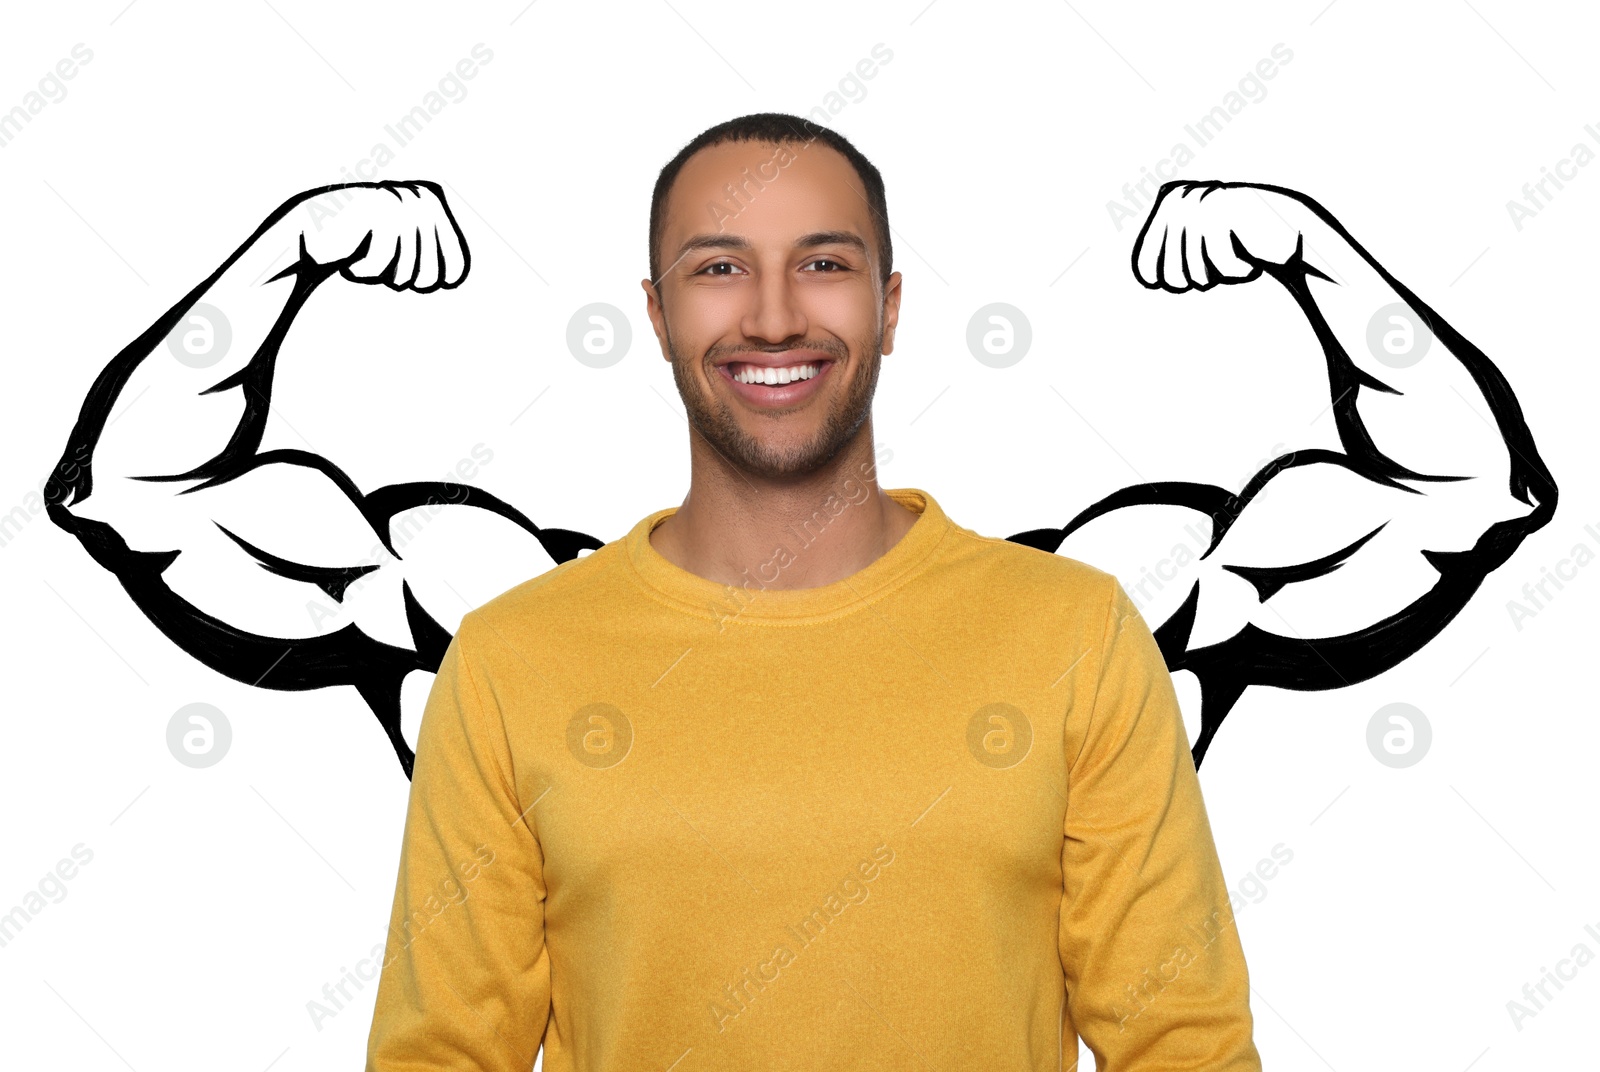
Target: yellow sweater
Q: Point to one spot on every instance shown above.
(938, 815)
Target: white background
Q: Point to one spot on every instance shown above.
(220, 901)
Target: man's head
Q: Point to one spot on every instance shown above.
(769, 246)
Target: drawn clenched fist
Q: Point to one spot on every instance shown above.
(400, 234)
(1200, 234)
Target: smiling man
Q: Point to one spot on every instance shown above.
(801, 773)
(779, 317)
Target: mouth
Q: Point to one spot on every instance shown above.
(776, 387)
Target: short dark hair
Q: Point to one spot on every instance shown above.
(778, 128)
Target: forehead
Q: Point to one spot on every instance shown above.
(778, 192)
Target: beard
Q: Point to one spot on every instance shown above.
(713, 417)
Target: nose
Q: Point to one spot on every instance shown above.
(774, 314)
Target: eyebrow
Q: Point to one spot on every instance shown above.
(719, 240)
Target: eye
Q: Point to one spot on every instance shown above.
(837, 265)
(707, 270)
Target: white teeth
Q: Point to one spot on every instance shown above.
(775, 376)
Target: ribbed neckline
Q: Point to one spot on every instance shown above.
(728, 603)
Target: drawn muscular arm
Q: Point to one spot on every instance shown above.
(1394, 364)
(271, 567)
(189, 420)
(1328, 568)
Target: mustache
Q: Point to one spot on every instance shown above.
(834, 349)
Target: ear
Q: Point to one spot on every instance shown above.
(658, 321)
(891, 311)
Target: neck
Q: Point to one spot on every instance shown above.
(809, 530)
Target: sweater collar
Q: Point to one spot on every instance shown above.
(750, 601)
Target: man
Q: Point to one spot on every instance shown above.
(921, 798)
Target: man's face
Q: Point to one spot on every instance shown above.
(785, 274)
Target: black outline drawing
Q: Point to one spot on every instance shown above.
(348, 656)
(1254, 656)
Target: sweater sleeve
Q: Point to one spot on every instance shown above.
(465, 983)
(1155, 971)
